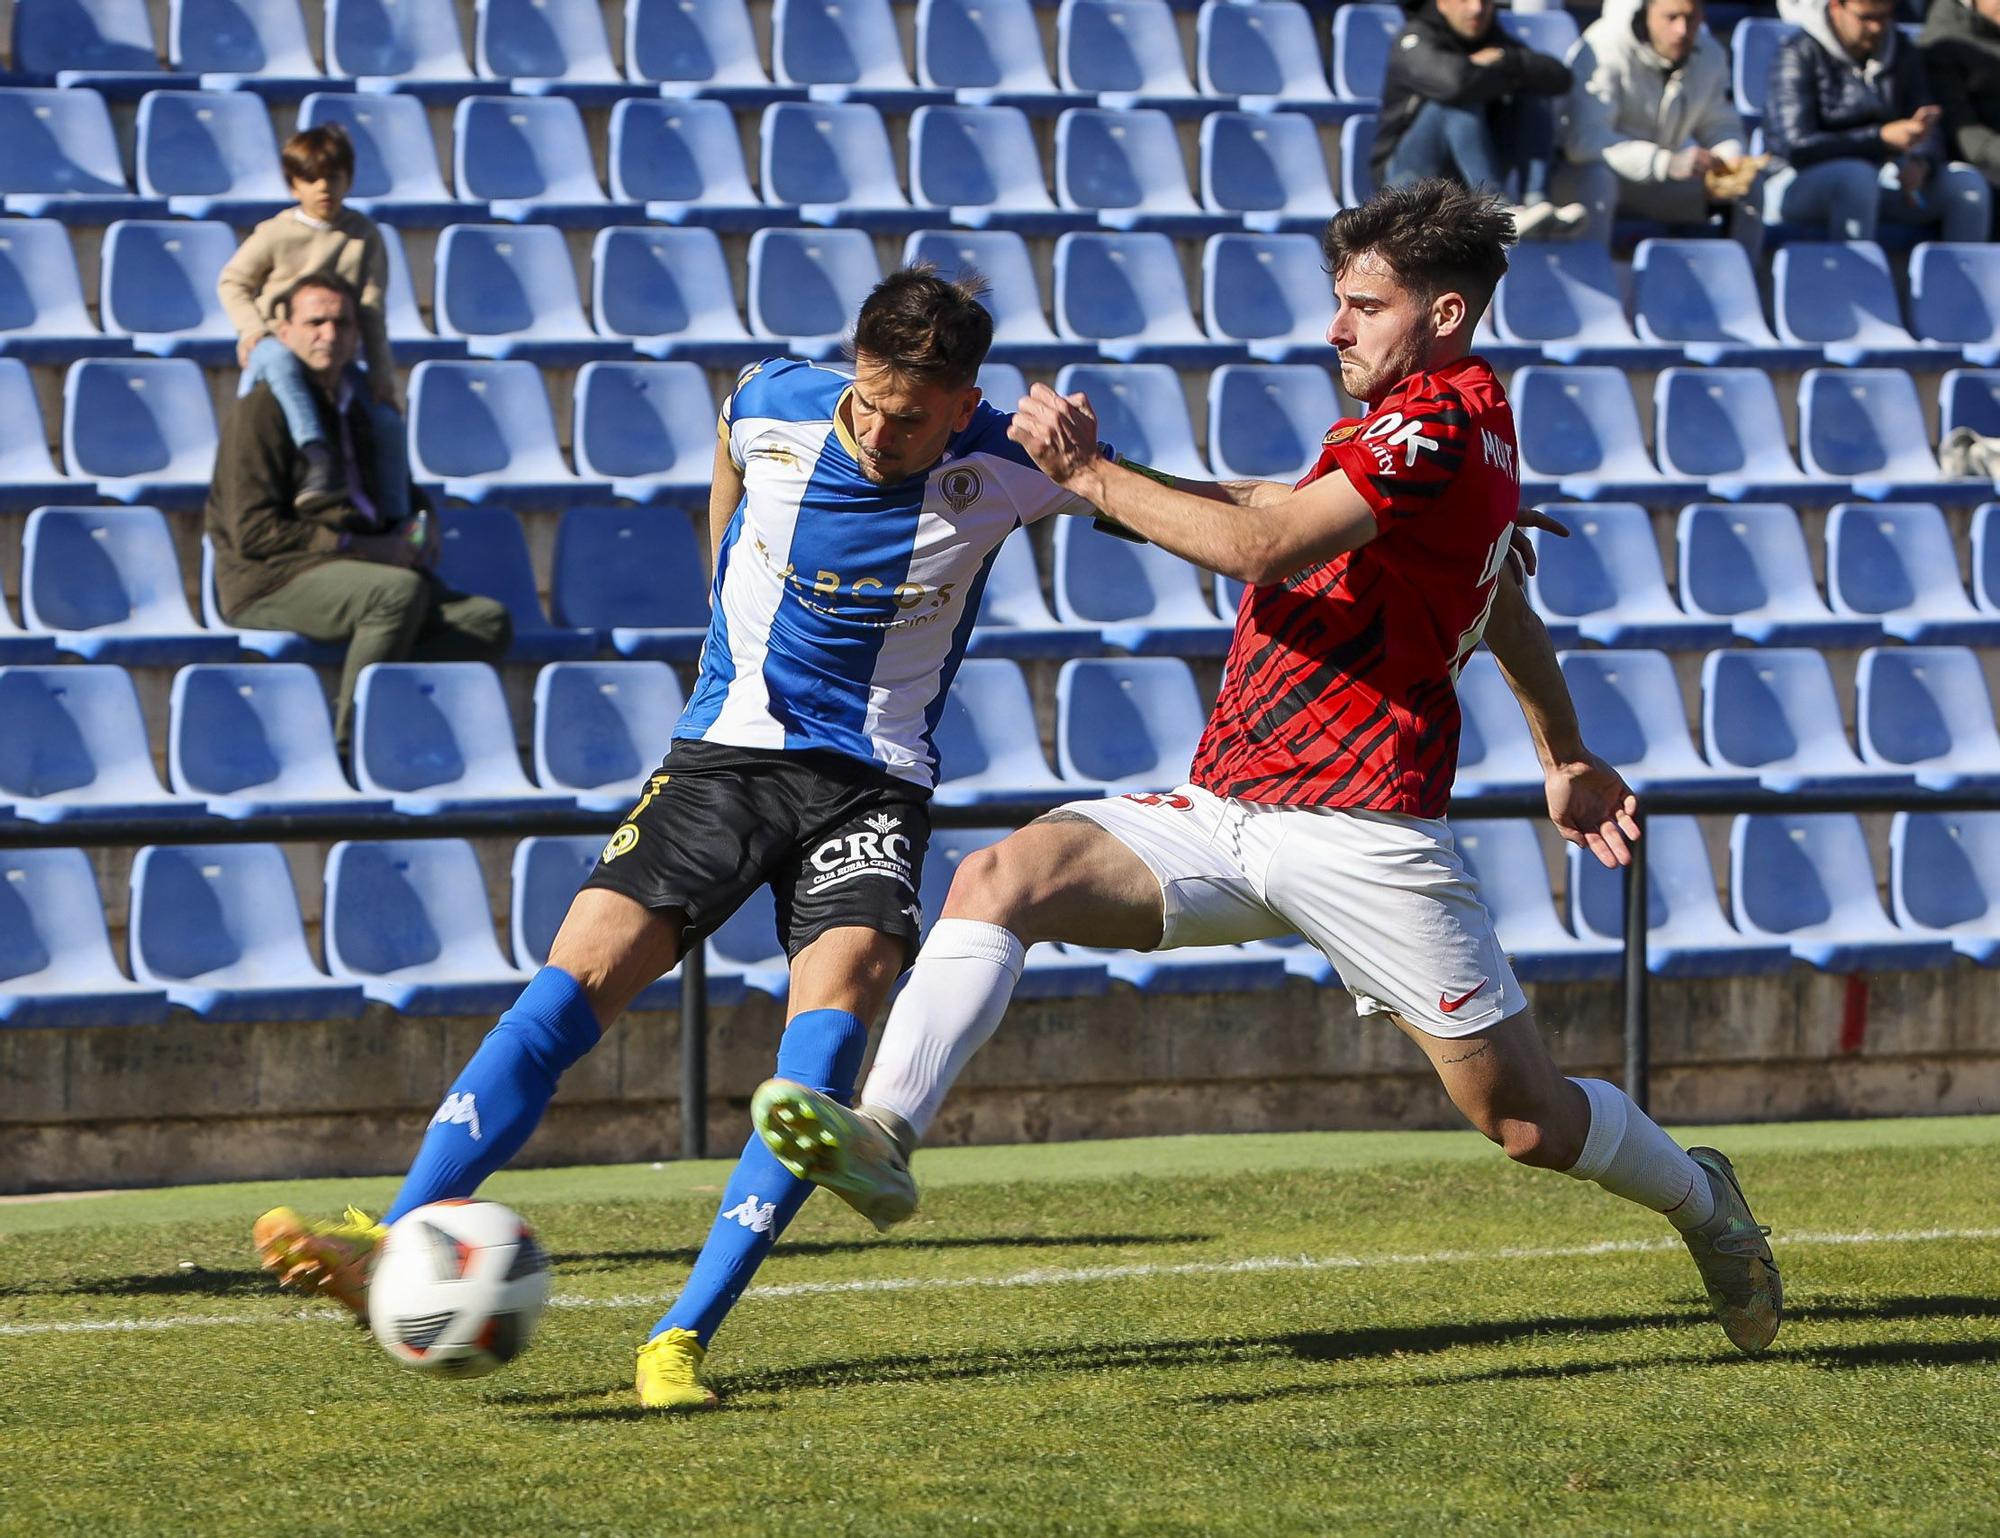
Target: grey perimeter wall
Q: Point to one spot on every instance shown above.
(193, 1101)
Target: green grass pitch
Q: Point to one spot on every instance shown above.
(1321, 1333)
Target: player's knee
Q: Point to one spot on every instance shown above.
(1533, 1141)
(992, 886)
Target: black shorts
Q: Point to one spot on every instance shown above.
(840, 843)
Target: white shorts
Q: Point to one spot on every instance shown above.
(1383, 896)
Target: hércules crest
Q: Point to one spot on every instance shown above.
(961, 488)
(1340, 434)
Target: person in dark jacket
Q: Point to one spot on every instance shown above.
(339, 573)
(1961, 52)
(1850, 114)
(1463, 99)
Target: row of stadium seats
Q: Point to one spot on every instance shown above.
(436, 739)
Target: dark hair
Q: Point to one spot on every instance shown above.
(925, 327)
(1436, 235)
(332, 282)
(314, 154)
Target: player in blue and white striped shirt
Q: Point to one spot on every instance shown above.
(854, 519)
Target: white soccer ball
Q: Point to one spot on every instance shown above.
(458, 1288)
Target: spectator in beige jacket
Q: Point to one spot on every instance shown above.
(320, 236)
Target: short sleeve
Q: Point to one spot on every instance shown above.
(1403, 459)
(732, 411)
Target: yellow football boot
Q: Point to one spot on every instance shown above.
(331, 1258)
(670, 1373)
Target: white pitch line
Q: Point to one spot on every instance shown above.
(1057, 1277)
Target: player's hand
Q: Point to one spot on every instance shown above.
(1593, 808)
(246, 345)
(1490, 55)
(1058, 431)
(1521, 547)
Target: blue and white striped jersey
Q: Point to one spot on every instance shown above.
(841, 609)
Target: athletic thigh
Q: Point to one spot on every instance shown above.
(1502, 1079)
(615, 946)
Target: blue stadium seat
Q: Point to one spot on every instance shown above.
(634, 575)
(410, 337)
(1566, 299)
(602, 727)
(988, 747)
(244, 45)
(141, 428)
(1127, 723)
(1967, 397)
(278, 645)
(484, 550)
(529, 161)
(1605, 582)
(1751, 48)
(1125, 167)
(979, 168)
(1265, 168)
(400, 47)
(101, 45)
(211, 155)
(1944, 875)
(1701, 296)
(549, 48)
(435, 737)
(1927, 709)
(508, 291)
(106, 583)
(1051, 971)
(830, 163)
(1126, 53)
(42, 314)
(1255, 968)
(218, 927)
(1687, 933)
(1955, 299)
(1145, 601)
(1268, 294)
(1839, 297)
(18, 645)
(59, 160)
(1362, 37)
(1865, 426)
(1125, 294)
(988, 53)
(409, 919)
(1267, 421)
(1504, 859)
(1550, 32)
(1986, 558)
(56, 968)
(684, 161)
(255, 740)
(485, 433)
(844, 50)
(1807, 879)
(73, 745)
(1141, 413)
(1496, 756)
(1723, 426)
(645, 428)
(746, 947)
(1631, 705)
(1747, 564)
(1774, 712)
(805, 287)
(28, 477)
(1266, 55)
(1021, 331)
(158, 287)
(396, 176)
(1895, 562)
(667, 294)
(1580, 432)
(1002, 383)
(699, 48)
(1014, 618)
(1357, 143)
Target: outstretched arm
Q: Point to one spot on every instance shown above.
(725, 494)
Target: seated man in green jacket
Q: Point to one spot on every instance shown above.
(341, 573)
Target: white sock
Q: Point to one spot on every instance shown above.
(1628, 1154)
(957, 992)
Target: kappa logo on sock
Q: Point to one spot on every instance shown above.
(459, 1110)
(754, 1215)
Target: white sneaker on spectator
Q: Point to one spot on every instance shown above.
(1570, 220)
(1532, 220)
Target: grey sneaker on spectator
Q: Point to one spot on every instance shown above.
(324, 484)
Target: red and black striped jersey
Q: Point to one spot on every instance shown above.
(1340, 682)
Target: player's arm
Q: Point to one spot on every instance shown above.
(1229, 493)
(1589, 801)
(725, 495)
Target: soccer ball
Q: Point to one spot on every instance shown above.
(458, 1288)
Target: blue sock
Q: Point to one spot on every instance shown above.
(498, 1098)
(821, 1049)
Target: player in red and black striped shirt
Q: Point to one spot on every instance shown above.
(1315, 802)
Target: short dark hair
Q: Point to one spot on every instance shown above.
(925, 327)
(313, 154)
(1438, 236)
(332, 282)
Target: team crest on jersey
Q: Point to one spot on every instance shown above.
(1340, 434)
(960, 487)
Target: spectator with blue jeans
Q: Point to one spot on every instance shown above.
(1851, 115)
(1462, 99)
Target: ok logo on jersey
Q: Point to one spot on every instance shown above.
(1389, 432)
